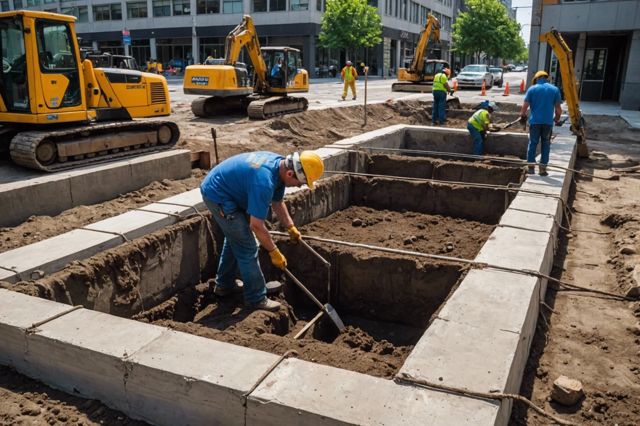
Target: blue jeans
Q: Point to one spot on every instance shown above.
(478, 139)
(539, 132)
(439, 102)
(239, 251)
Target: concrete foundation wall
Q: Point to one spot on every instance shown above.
(34, 193)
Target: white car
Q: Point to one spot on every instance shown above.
(474, 75)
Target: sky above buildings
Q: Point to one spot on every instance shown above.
(523, 16)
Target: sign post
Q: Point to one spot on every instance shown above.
(126, 41)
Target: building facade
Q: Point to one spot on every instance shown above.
(181, 32)
(605, 39)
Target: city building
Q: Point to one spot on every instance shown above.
(605, 39)
(180, 32)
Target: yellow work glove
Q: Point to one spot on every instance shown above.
(278, 259)
(294, 234)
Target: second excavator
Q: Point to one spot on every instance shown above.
(276, 74)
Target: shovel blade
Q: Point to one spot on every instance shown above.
(334, 317)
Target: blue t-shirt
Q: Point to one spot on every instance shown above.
(542, 98)
(275, 71)
(248, 182)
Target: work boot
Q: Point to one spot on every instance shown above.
(344, 97)
(531, 170)
(353, 99)
(542, 170)
(226, 291)
(266, 304)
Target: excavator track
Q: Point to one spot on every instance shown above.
(68, 148)
(266, 107)
(408, 86)
(214, 106)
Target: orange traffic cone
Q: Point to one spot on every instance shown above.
(484, 89)
(522, 86)
(455, 85)
(506, 90)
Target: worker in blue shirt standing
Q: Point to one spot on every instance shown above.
(544, 100)
(247, 185)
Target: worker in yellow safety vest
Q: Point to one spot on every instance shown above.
(349, 76)
(440, 90)
(479, 124)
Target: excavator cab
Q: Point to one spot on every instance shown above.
(284, 70)
(51, 100)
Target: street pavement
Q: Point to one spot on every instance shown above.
(326, 92)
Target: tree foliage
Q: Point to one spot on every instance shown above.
(350, 24)
(486, 27)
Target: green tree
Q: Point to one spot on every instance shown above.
(487, 28)
(349, 25)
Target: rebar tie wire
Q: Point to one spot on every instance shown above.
(520, 162)
(472, 263)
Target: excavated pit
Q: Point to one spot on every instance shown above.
(386, 299)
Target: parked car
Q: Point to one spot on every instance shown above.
(510, 67)
(498, 76)
(474, 75)
(519, 68)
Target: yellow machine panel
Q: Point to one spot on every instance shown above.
(216, 80)
(47, 85)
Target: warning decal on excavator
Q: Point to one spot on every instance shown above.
(200, 81)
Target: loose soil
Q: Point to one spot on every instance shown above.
(419, 232)
(27, 402)
(588, 337)
(367, 346)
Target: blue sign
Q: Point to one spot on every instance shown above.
(126, 39)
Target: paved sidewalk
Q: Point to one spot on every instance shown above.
(610, 108)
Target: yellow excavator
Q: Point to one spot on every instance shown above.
(419, 76)
(569, 86)
(58, 112)
(277, 72)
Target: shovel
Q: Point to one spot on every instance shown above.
(327, 309)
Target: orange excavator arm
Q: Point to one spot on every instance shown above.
(245, 35)
(432, 27)
(569, 83)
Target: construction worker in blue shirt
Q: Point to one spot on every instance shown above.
(440, 90)
(239, 192)
(544, 100)
(479, 124)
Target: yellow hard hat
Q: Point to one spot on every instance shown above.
(307, 165)
(539, 74)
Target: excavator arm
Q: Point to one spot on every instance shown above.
(569, 85)
(432, 27)
(245, 35)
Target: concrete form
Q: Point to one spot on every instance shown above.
(479, 340)
(25, 193)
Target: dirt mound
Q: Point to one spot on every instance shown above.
(610, 128)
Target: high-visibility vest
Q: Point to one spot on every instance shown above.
(439, 81)
(479, 118)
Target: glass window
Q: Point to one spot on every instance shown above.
(299, 4)
(276, 5)
(259, 6)
(595, 61)
(107, 12)
(137, 9)
(4, 5)
(80, 12)
(161, 7)
(13, 74)
(32, 3)
(208, 6)
(181, 7)
(56, 55)
(17, 4)
(319, 4)
(231, 6)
